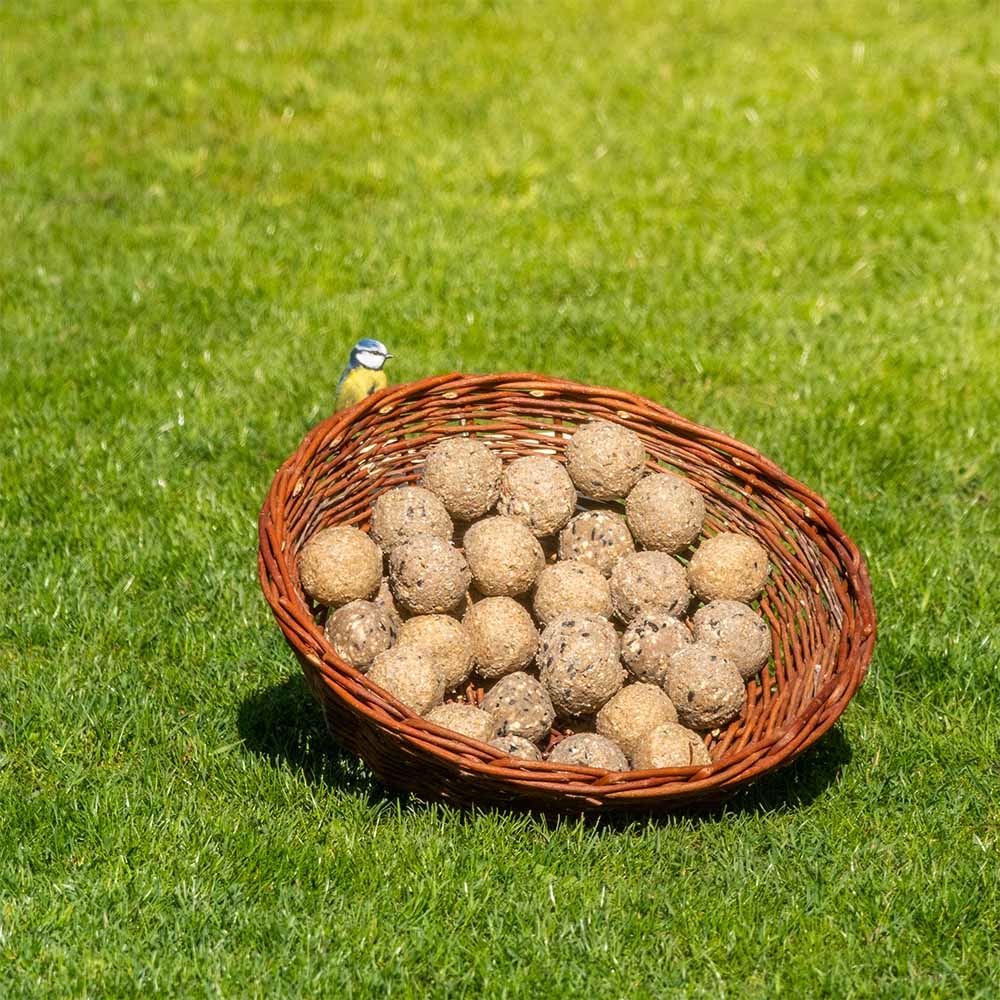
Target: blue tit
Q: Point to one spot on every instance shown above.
(363, 374)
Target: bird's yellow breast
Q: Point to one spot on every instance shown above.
(359, 383)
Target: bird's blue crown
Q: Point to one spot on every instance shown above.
(367, 344)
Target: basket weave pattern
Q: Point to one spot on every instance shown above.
(818, 599)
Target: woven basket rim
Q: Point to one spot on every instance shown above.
(568, 787)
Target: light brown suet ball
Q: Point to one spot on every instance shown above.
(465, 719)
(503, 636)
(444, 641)
(409, 677)
(605, 460)
(728, 567)
(664, 512)
(465, 475)
(570, 586)
(633, 713)
(537, 490)
(340, 564)
(670, 745)
(504, 556)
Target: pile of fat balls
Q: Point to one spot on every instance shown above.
(514, 617)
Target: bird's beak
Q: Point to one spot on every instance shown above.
(389, 356)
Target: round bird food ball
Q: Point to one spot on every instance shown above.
(736, 631)
(465, 719)
(649, 580)
(670, 745)
(653, 636)
(503, 636)
(410, 677)
(605, 460)
(589, 750)
(504, 556)
(442, 640)
(633, 714)
(405, 511)
(465, 475)
(665, 512)
(340, 564)
(706, 688)
(517, 746)
(359, 631)
(538, 491)
(598, 537)
(578, 661)
(570, 586)
(521, 706)
(428, 575)
(728, 567)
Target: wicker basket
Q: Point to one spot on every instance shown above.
(818, 599)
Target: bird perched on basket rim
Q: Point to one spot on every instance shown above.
(363, 374)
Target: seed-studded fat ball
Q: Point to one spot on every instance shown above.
(649, 580)
(736, 631)
(706, 688)
(670, 745)
(578, 661)
(589, 750)
(465, 475)
(405, 511)
(665, 512)
(604, 460)
(517, 746)
(340, 564)
(410, 677)
(444, 641)
(653, 636)
(598, 537)
(521, 706)
(538, 491)
(465, 719)
(504, 556)
(503, 636)
(633, 713)
(359, 631)
(428, 575)
(728, 567)
(570, 586)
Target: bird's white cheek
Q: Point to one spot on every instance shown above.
(370, 359)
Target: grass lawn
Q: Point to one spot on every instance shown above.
(782, 220)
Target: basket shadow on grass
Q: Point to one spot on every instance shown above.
(284, 724)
